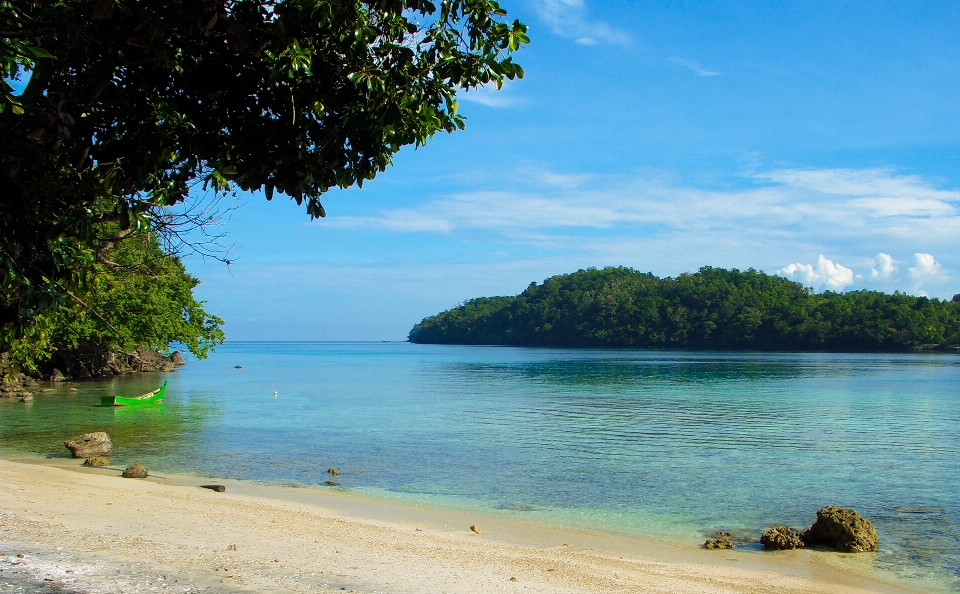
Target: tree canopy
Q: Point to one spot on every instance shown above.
(710, 309)
(131, 104)
(143, 298)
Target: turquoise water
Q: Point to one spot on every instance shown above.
(665, 445)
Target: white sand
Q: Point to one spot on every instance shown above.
(92, 531)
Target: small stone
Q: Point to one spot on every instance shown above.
(513, 579)
(781, 538)
(331, 483)
(722, 534)
(135, 471)
(72, 389)
(232, 547)
(333, 472)
(719, 543)
(97, 461)
(27, 397)
(475, 529)
(217, 488)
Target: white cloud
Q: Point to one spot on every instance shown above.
(827, 274)
(489, 96)
(653, 215)
(568, 18)
(883, 267)
(926, 268)
(694, 66)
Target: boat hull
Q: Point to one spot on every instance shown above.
(148, 398)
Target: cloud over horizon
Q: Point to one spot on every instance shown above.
(777, 214)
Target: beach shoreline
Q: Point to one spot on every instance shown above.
(166, 533)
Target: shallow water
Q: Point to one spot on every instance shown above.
(664, 445)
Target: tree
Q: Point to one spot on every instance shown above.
(130, 104)
(144, 298)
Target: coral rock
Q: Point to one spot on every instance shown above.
(89, 445)
(843, 529)
(135, 471)
(781, 538)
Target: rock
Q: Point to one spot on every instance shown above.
(232, 547)
(843, 529)
(217, 488)
(333, 472)
(177, 359)
(57, 376)
(27, 397)
(238, 366)
(97, 461)
(513, 579)
(90, 444)
(331, 483)
(781, 538)
(135, 471)
(475, 529)
(719, 543)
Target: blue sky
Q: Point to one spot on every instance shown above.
(817, 140)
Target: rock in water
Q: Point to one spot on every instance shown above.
(177, 359)
(781, 538)
(719, 543)
(57, 376)
(96, 461)
(844, 529)
(333, 472)
(89, 445)
(135, 471)
(27, 397)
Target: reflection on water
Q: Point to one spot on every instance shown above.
(664, 444)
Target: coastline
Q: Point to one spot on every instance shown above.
(165, 532)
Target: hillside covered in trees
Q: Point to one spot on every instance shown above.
(713, 308)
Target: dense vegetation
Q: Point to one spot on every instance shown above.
(141, 298)
(710, 309)
(132, 105)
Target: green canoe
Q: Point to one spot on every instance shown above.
(154, 396)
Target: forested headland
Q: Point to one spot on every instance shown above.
(713, 308)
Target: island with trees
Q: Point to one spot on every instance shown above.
(712, 308)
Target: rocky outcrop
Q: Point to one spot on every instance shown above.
(97, 461)
(781, 538)
(90, 445)
(843, 529)
(717, 543)
(135, 471)
(85, 365)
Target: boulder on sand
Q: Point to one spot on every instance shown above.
(135, 471)
(97, 461)
(781, 538)
(89, 445)
(717, 543)
(843, 529)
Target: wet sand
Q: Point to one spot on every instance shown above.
(89, 530)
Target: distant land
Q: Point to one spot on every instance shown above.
(713, 308)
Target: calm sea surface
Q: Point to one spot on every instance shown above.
(666, 445)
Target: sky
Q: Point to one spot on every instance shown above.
(815, 140)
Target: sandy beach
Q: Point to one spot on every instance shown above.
(89, 530)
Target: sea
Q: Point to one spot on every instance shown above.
(666, 446)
